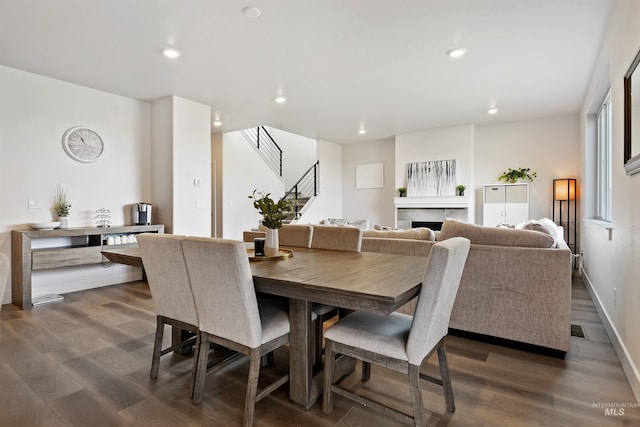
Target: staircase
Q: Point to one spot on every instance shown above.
(303, 191)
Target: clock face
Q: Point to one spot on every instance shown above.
(83, 144)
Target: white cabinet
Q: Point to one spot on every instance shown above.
(505, 204)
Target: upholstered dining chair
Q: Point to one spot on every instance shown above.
(401, 342)
(336, 238)
(4, 273)
(168, 280)
(229, 313)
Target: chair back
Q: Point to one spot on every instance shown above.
(4, 273)
(298, 235)
(167, 276)
(223, 289)
(437, 295)
(339, 238)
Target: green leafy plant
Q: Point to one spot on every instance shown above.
(513, 175)
(461, 188)
(61, 203)
(402, 191)
(272, 213)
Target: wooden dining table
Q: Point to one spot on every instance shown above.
(369, 281)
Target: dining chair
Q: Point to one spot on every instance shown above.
(4, 273)
(401, 342)
(168, 280)
(335, 238)
(229, 313)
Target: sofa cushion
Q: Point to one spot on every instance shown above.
(363, 224)
(421, 233)
(481, 235)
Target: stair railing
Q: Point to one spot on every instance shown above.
(267, 147)
(304, 189)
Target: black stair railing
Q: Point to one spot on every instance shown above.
(267, 147)
(302, 191)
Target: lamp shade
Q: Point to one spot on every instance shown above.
(564, 189)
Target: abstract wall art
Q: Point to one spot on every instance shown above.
(433, 178)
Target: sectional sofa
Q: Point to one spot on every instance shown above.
(516, 284)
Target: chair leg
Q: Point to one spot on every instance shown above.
(366, 371)
(446, 379)
(201, 368)
(318, 342)
(329, 361)
(157, 348)
(416, 396)
(194, 370)
(252, 388)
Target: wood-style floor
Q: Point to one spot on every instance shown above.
(85, 362)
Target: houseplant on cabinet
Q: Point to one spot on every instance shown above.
(514, 175)
(273, 214)
(62, 206)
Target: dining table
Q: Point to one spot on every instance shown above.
(375, 282)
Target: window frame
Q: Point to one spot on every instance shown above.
(603, 160)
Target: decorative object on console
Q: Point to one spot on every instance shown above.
(433, 178)
(273, 215)
(460, 190)
(103, 217)
(564, 190)
(514, 175)
(402, 191)
(62, 206)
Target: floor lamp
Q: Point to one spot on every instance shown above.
(564, 198)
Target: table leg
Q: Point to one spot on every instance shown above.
(300, 359)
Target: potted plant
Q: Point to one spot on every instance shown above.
(273, 214)
(460, 188)
(514, 175)
(62, 206)
(402, 191)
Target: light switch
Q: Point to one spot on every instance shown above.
(34, 204)
(196, 182)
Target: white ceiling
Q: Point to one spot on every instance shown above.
(340, 63)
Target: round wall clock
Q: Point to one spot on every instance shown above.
(83, 144)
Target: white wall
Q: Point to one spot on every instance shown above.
(373, 204)
(244, 171)
(191, 161)
(613, 263)
(35, 111)
(548, 146)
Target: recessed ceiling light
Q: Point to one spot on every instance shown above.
(492, 110)
(217, 123)
(457, 52)
(251, 12)
(171, 52)
(280, 99)
(362, 131)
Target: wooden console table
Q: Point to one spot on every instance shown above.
(85, 248)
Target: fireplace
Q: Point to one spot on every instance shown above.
(434, 225)
(431, 211)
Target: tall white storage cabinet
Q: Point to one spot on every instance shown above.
(505, 204)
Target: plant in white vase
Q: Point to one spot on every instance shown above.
(273, 214)
(62, 206)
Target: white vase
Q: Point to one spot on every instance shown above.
(271, 242)
(64, 221)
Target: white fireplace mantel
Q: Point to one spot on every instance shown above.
(430, 202)
(432, 208)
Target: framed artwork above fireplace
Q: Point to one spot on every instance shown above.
(432, 178)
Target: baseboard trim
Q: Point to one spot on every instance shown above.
(628, 366)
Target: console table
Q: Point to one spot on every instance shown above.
(86, 244)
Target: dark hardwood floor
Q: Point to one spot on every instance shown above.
(85, 362)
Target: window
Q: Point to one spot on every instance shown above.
(603, 160)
